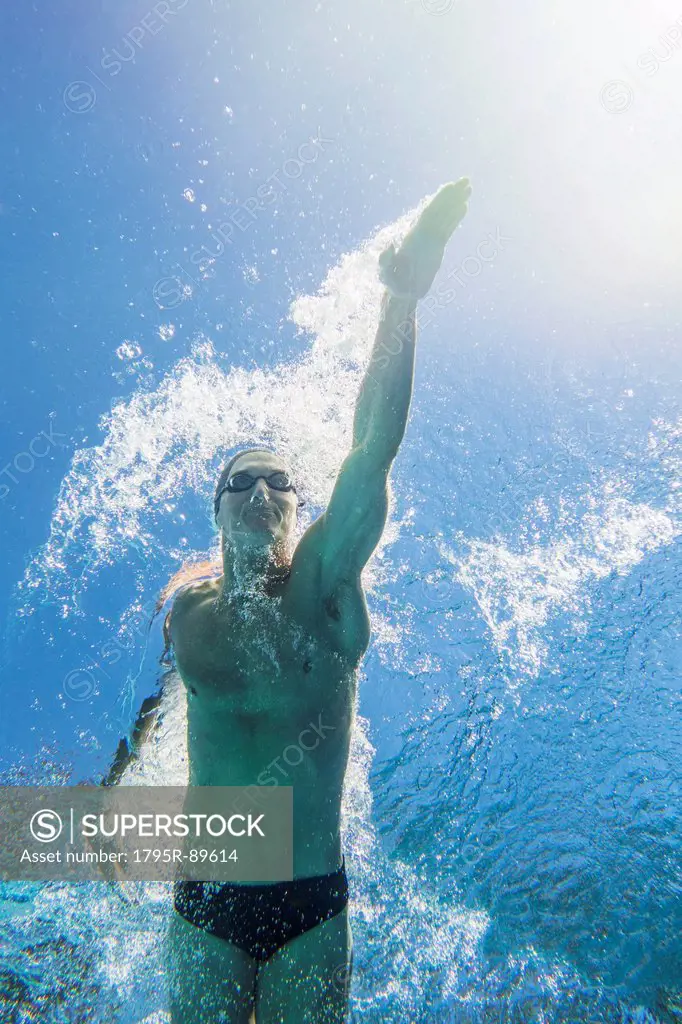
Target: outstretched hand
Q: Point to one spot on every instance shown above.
(409, 272)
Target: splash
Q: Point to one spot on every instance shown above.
(164, 443)
(519, 592)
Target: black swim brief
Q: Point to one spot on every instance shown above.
(260, 919)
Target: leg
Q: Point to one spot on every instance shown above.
(307, 981)
(209, 979)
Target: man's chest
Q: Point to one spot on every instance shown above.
(255, 653)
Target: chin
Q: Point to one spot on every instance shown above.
(266, 534)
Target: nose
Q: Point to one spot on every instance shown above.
(259, 492)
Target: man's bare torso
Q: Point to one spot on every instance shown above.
(271, 684)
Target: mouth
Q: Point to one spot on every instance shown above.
(261, 513)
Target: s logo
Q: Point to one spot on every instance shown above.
(46, 826)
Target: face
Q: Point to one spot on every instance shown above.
(261, 514)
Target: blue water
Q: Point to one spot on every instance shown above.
(512, 830)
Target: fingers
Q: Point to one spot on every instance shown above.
(460, 187)
(456, 216)
(439, 222)
(447, 207)
(452, 193)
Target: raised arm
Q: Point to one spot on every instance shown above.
(351, 527)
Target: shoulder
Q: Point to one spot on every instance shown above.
(321, 568)
(309, 547)
(307, 561)
(335, 603)
(190, 599)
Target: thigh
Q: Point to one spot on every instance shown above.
(209, 979)
(307, 981)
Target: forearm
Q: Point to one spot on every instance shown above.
(383, 404)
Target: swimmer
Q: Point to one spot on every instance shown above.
(272, 648)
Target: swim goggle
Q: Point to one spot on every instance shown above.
(278, 481)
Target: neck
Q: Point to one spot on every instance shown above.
(251, 573)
